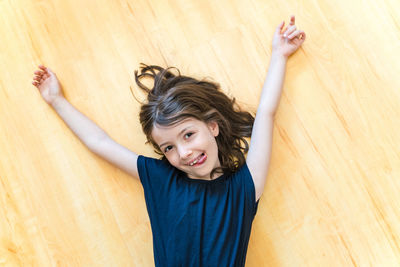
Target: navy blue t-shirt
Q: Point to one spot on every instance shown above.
(197, 222)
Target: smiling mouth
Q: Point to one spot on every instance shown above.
(200, 159)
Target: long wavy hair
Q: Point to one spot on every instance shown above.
(174, 98)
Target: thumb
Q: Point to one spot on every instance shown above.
(280, 27)
(49, 71)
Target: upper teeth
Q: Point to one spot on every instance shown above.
(194, 162)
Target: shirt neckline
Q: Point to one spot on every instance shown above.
(187, 178)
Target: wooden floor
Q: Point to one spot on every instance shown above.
(332, 195)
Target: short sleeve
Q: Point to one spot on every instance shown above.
(250, 187)
(151, 170)
(156, 176)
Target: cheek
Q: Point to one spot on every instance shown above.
(215, 146)
(172, 158)
(212, 141)
(208, 140)
(211, 145)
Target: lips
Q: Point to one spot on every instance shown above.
(193, 162)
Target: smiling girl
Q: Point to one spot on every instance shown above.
(203, 193)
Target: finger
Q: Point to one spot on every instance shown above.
(294, 34)
(289, 30)
(43, 68)
(302, 35)
(292, 20)
(37, 78)
(280, 27)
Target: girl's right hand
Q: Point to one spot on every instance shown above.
(47, 83)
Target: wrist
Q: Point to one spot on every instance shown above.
(57, 102)
(278, 56)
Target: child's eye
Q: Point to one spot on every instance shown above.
(167, 149)
(188, 135)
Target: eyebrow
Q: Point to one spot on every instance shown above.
(163, 144)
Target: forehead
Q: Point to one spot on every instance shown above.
(163, 134)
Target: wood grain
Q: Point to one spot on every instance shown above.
(332, 193)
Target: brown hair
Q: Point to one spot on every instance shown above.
(174, 98)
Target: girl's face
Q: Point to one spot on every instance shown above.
(190, 146)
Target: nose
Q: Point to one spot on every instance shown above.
(184, 152)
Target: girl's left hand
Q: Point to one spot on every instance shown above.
(288, 41)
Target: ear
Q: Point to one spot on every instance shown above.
(214, 128)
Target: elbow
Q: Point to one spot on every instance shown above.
(270, 115)
(266, 111)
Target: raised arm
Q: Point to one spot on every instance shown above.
(95, 138)
(285, 43)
